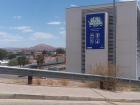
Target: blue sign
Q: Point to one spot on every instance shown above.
(95, 31)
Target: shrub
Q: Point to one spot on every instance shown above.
(64, 82)
(106, 70)
(13, 62)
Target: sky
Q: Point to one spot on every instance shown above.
(25, 23)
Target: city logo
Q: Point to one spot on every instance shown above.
(95, 22)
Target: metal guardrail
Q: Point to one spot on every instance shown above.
(60, 75)
(48, 64)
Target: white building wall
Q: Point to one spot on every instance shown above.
(126, 39)
(73, 39)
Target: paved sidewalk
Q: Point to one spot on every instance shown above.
(12, 91)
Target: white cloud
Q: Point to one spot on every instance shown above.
(3, 34)
(54, 23)
(73, 5)
(62, 32)
(23, 29)
(17, 17)
(42, 36)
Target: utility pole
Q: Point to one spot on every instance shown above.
(114, 43)
(30, 79)
(112, 68)
(114, 30)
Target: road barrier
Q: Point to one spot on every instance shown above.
(60, 75)
(48, 64)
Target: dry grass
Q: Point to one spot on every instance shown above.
(50, 82)
(68, 83)
(108, 84)
(37, 81)
(99, 70)
(111, 84)
(127, 87)
(64, 82)
(90, 85)
(106, 70)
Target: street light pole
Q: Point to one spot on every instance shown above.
(114, 31)
(114, 42)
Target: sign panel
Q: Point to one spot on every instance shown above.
(95, 31)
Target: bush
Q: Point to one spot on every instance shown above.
(64, 82)
(106, 70)
(11, 56)
(22, 60)
(60, 51)
(90, 85)
(3, 54)
(13, 62)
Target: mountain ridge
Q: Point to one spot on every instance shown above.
(38, 47)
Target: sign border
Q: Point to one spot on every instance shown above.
(105, 29)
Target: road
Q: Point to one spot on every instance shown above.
(53, 102)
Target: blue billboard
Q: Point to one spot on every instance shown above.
(95, 31)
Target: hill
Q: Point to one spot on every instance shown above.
(41, 47)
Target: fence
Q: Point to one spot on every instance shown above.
(60, 75)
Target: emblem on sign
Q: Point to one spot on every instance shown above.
(95, 22)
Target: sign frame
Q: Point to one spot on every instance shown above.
(105, 26)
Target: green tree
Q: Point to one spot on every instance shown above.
(60, 51)
(3, 54)
(11, 56)
(22, 60)
(44, 52)
(13, 62)
(49, 53)
(40, 60)
(20, 54)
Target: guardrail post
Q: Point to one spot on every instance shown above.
(30, 78)
(101, 85)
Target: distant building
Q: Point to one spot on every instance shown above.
(4, 62)
(91, 40)
(26, 52)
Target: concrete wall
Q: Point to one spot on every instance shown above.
(73, 39)
(126, 39)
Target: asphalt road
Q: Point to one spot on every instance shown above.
(53, 102)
